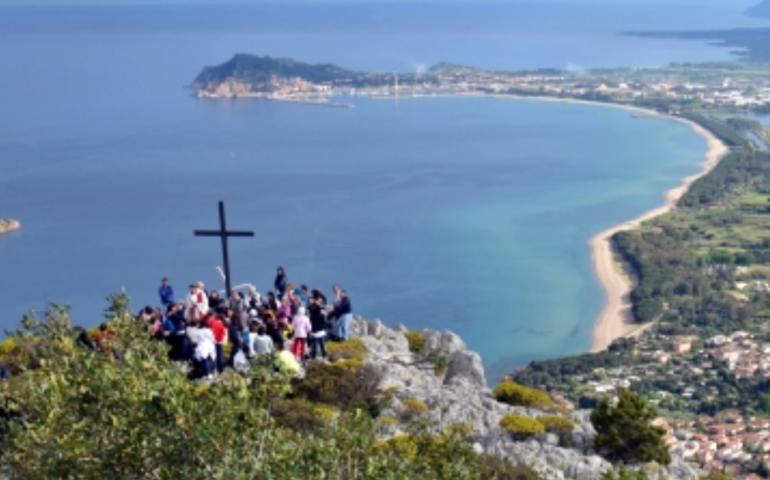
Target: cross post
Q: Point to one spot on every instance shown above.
(223, 233)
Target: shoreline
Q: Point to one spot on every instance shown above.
(616, 319)
(614, 274)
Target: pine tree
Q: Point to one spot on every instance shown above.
(624, 432)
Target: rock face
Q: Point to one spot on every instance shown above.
(8, 225)
(449, 379)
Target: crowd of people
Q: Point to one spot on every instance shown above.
(294, 322)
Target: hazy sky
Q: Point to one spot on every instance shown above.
(738, 3)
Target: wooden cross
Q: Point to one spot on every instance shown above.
(224, 234)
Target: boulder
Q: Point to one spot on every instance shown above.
(467, 364)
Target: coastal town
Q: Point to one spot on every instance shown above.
(718, 85)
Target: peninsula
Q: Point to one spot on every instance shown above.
(8, 225)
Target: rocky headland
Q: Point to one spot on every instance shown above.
(448, 379)
(8, 225)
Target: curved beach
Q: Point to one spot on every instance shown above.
(616, 319)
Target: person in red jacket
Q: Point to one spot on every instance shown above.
(219, 329)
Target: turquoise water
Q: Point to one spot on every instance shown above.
(464, 214)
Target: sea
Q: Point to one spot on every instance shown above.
(466, 214)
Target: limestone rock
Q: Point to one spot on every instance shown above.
(461, 396)
(467, 364)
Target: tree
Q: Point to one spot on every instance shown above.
(126, 411)
(624, 432)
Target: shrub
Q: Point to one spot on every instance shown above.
(521, 427)
(555, 423)
(518, 395)
(416, 341)
(297, 414)
(353, 349)
(341, 388)
(415, 405)
(348, 364)
(402, 446)
(560, 426)
(17, 355)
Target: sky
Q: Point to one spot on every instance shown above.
(740, 3)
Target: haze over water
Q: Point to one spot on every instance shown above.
(464, 214)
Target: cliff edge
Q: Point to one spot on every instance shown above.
(440, 373)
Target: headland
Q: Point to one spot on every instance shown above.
(8, 225)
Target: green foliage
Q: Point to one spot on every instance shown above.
(416, 341)
(352, 349)
(518, 395)
(132, 414)
(341, 388)
(624, 473)
(521, 427)
(560, 426)
(414, 405)
(118, 306)
(740, 169)
(624, 432)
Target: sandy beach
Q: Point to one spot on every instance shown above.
(616, 319)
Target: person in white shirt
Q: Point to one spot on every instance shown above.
(205, 349)
(197, 302)
(261, 343)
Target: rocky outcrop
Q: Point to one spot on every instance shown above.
(449, 380)
(8, 225)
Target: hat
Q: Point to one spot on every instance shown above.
(252, 313)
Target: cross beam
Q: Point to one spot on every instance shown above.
(224, 234)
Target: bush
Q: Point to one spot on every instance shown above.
(341, 388)
(17, 355)
(402, 446)
(297, 414)
(521, 427)
(518, 395)
(560, 426)
(353, 349)
(416, 341)
(349, 364)
(415, 405)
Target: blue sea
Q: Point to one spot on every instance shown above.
(465, 214)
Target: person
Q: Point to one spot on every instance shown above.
(166, 293)
(104, 337)
(234, 336)
(241, 359)
(303, 293)
(238, 305)
(215, 303)
(197, 302)
(319, 297)
(217, 325)
(272, 303)
(285, 361)
(300, 324)
(317, 338)
(280, 283)
(205, 350)
(343, 313)
(176, 326)
(275, 333)
(261, 343)
(254, 299)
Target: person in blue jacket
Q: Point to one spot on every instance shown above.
(166, 293)
(280, 283)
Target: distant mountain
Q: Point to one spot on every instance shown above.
(253, 69)
(761, 10)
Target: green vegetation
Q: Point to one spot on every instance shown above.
(624, 432)
(624, 473)
(515, 394)
(520, 427)
(353, 349)
(128, 412)
(256, 70)
(416, 341)
(560, 426)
